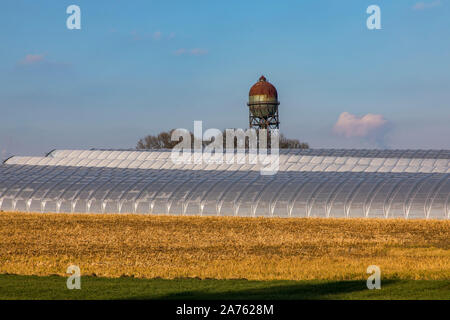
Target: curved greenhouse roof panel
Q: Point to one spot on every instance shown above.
(359, 153)
(309, 183)
(289, 160)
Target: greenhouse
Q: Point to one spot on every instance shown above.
(309, 183)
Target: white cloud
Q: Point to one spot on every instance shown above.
(40, 63)
(191, 52)
(349, 125)
(181, 51)
(157, 35)
(135, 35)
(198, 52)
(426, 5)
(32, 59)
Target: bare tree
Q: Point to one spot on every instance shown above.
(286, 143)
(160, 141)
(163, 141)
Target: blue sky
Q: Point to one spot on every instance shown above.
(140, 67)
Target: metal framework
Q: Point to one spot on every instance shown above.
(271, 121)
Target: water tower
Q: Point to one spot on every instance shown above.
(263, 105)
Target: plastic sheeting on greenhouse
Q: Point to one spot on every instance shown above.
(309, 183)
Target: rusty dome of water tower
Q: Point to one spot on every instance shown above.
(264, 89)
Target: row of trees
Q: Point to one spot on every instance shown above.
(163, 140)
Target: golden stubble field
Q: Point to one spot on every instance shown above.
(223, 248)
